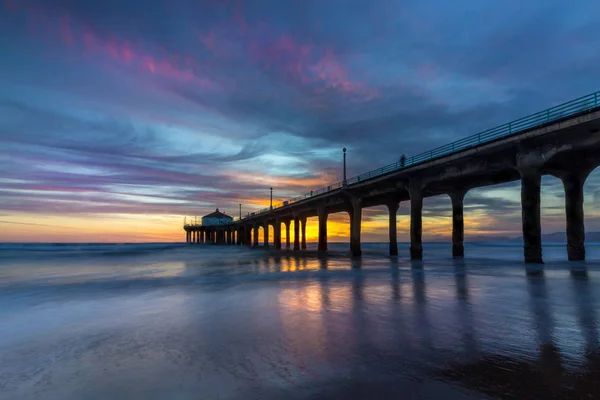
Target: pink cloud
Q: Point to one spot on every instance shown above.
(65, 30)
(79, 36)
(428, 72)
(239, 18)
(208, 40)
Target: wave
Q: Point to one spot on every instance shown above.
(24, 250)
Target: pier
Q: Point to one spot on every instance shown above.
(563, 141)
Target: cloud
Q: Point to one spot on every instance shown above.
(181, 106)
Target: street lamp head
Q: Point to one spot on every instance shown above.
(271, 189)
(344, 149)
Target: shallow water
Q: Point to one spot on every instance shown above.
(187, 322)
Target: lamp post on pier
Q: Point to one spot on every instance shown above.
(240, 211)
(271, 198)
(344, 181)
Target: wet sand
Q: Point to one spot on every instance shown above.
(198, 322)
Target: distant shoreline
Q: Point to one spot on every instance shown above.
(554, 238)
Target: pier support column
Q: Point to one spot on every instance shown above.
(355, 221)
(248, 235)
(266, 234)
(287, 234)
(573, 184)
(393, 232)
(256, 229)
(416, 223)
(322, 229)
(303, 220)
(530, 215)
(458, 223)
(277, 234)
(296, 233)
(187, 237)
(197, 237)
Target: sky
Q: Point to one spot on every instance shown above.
(120, 118)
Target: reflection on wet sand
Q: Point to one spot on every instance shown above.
(586, 316)
(272, 325)
(465, 312)
(395, 317)
(413, 317)
(546, 377)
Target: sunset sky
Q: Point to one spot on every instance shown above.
(119, 118)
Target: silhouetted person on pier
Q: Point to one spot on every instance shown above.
(402, 161)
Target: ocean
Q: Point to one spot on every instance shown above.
(178, 321)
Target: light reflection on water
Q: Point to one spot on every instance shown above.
(253, 324)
